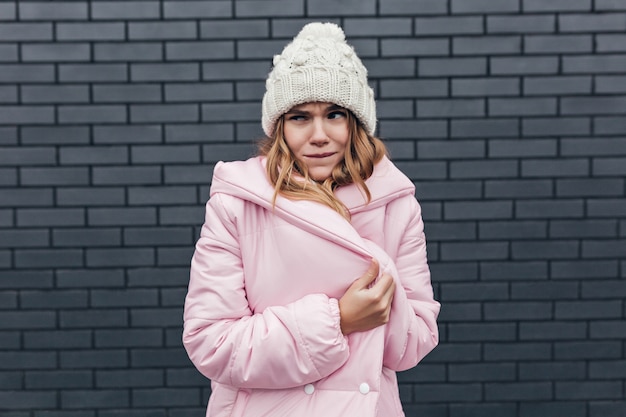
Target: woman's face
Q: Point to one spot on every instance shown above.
(317, 134)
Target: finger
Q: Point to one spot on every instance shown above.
(370, 275)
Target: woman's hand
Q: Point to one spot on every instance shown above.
(365, 306)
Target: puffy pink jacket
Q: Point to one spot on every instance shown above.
(261, 316)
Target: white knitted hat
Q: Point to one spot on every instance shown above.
(318, 65)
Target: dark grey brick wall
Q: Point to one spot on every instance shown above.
(509, 115)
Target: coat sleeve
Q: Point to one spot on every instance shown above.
(283, 346)
(412, 329)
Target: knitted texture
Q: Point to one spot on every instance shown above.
(318, 66)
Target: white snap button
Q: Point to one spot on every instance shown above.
(309, 388)
(364, 388)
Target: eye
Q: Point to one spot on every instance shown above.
(336, 114)
(296, 117)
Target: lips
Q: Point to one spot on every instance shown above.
(320, 155)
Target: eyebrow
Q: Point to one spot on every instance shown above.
(330, 108)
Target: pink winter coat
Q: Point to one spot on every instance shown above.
(261, 316)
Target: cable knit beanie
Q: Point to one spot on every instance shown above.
(318, 65)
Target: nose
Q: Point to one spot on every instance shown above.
(318, 135)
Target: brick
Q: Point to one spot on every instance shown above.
(601, 22)
(544, 291)
(593, 63)
(390, 67)
(58, 379)
(556, 5)
(610, 43)
(606, 208)
(604, 289)
(165, 397)
(460, 312)
(589, 390)
(465, 392)
(150, 358)
(93, 155)
(90, 31)
(57, 339)
(7, 11)
(553, 331)
(131, 175)
(482, 372)
(27, 320)
(587, 309)
(91, 196)
(272, 8)
(413, 129)
(86, 237)
(584, 269)
(78, 399)
(351, 7)
(162, 30)
(54, 94)
(522, 148)
(182, 133)
(58, 11)
(411, 47)
(127, 216)
(16, 238)
(607, 329)
(27, 360)
(27, 156)
(487, 45)
(384, 26)
(541, 408)
(394, 108)
(558, 168)
(92, 318)
(165, 154)
(552, 371)
(608, 166)
(92, 114)
(592, 147)
(248, 28)
(482, 87)
(512, 230)
(55, 135)
(522, 106)
(125, 10)
(450, 108)
(478, 210)
(162, 317)
(524, 65)
(50, 217)
(31, 73)
(610, 84)
(131, 338)
(589, 187)
(483, 6)
(158, 236)
(26, 197)
(26, 32)
(609, 5)
(174, 256)
(154, 113)
(453, 25)
(127, 51)
(124, 298)
(165, 72)
(614, 248)
(483, 169)
(8, 52)
(457, 66)
(172, 297)
(556, 126)
(481, 332)
(517, 311)
(205, 50)
(593, 105)
(162, 277)
(450, 149)
(18, 115)
(521, 24)
(26, 279)
(484, 128)
(540, 209)
(558, 44)
(26, 400)
(474, 291)
(194, 9)
(8, 94)
(120, 257)
(417, 7)
(93, 72)
(557, 85)
(563, 249)
(53, 300)
(66, 52)
(84, 278)
(122, 93)
(447, 190)
(48, 258)
(474, 251)
(131, 378)
(583, 229)
(519, 351)
(481, 409)
(607, 408)
(518, 391)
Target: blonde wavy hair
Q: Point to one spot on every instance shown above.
(291, 178)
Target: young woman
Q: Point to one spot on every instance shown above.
(309, 285)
